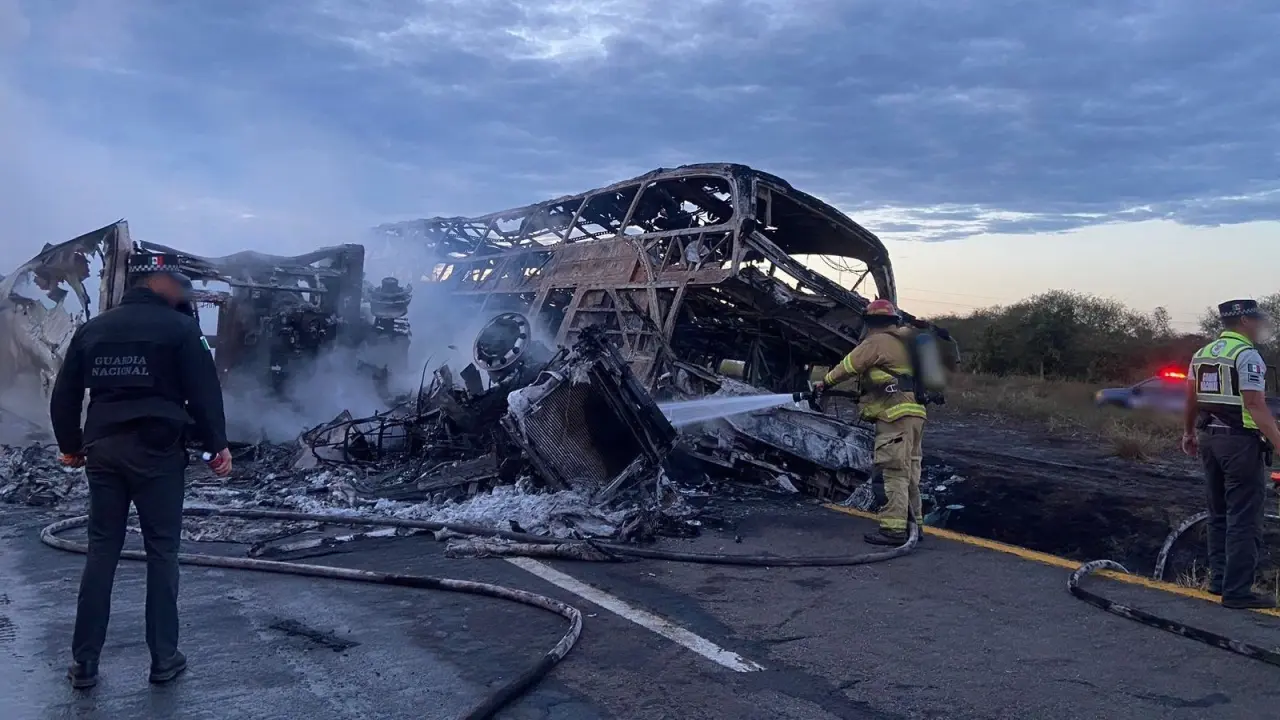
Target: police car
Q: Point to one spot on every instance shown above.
(1165, 391)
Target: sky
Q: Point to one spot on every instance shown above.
(1128, 148)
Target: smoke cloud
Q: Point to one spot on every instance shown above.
(314, 395)
(443, 331)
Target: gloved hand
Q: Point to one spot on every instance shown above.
(72, 460)
(816, 390)
(221, 463)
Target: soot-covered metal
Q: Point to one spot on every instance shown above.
(700, 263)
(587, 424)
(281, 313)
(675, 284)
(276, 314)
(699, 276)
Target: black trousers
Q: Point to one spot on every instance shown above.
(1235, 482)
(149, 472)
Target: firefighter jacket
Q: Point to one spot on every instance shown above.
(1220, 370)
(882, 364)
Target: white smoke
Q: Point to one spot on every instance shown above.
(443, 332)
(314, 394)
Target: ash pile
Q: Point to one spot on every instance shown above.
(31, 475)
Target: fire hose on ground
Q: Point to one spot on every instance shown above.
(1217, 640)
(486, 709)
(1163, 558)
(1271, 657)
(1207, 637)
(530, 677)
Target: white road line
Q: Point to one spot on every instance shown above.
(645, 619)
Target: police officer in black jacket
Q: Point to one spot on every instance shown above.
(150, 378)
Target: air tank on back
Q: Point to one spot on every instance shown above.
(932, 372)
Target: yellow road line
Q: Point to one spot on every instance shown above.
(1054, 560)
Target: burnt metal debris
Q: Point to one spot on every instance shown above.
(701, 264)
(676, 284)
(283, 312)
(577, 419)
(277, 314)
(701, 278)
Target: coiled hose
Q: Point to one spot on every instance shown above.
(1163, 558)
(1271, 657)
(486, 709)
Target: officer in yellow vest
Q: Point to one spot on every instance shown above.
(1227, 423)
(882, 365)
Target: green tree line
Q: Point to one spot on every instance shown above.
(1076, 336)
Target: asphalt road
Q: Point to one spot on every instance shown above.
(952, 631)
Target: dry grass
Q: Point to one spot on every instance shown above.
(1197, 577)
(1066, 408)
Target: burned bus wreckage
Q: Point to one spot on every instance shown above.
(582, 316)
(277, 313)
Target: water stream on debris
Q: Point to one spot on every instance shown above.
(686, 412)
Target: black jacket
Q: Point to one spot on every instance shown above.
(142, 360)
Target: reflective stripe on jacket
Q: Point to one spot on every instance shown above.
(1213, 369)
(878, 362)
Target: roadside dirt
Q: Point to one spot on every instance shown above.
(1023, 486)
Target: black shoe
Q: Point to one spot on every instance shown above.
(1252, 601)
(886, 539)
(1215, 586)
(83, 675)
(164, 672)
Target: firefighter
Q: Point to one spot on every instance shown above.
(150, 375)
(881, 364)
(1228, 425)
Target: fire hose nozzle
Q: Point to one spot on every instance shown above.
(813, 397)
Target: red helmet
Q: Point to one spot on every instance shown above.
(881, 308)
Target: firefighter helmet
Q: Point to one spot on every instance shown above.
(881, 308)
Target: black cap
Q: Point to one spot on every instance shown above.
(1239, 309)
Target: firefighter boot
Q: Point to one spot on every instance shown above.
(886, 538)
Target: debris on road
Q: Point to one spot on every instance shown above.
(582, 315)
(31, 475)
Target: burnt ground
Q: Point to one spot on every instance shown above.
(951, 631)
(1027, 487)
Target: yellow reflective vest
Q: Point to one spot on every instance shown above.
(1213, 370)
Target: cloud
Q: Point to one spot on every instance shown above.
(301, 122)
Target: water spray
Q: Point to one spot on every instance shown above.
(687, 412)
